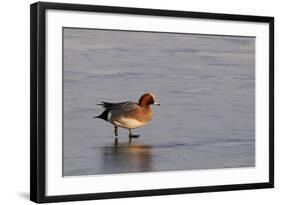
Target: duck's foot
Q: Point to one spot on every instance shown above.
(134, 136)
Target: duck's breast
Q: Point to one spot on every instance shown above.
(134, 119)
(129, 123)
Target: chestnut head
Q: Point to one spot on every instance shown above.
(148, 99)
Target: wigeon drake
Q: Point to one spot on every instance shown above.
(129, 115)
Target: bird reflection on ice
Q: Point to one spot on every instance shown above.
(135, 157)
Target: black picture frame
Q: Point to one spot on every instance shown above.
(38, 101)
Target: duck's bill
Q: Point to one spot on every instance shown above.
(156, 103)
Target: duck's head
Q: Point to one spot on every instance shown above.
(148, 99)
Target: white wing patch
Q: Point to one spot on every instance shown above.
(129, 123)
(109, 116)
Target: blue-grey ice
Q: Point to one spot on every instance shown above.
(206, 86)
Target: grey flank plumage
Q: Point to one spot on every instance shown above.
(121, 107)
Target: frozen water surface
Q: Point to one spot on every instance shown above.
(205, 84)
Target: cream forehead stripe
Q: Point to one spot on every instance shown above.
(153, 96)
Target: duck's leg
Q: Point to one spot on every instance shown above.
(115, 130)
(131, 135)
(116, 135)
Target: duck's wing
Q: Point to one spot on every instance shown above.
(121, 106)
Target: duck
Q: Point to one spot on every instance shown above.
(129, 115)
